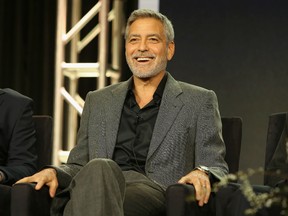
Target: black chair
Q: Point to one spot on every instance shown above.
(25, 200)
(177, 201)
(5, 197)
(230, 199)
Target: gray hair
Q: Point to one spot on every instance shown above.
(147, 13)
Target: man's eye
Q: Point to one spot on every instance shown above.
(133, 40)
(154, 40)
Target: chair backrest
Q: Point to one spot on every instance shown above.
(276, 123)
(276, 127)
(43, 127)
(232, 135)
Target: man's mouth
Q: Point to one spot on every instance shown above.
(143, 59)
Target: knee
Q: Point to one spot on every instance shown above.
(101, 163)
(105, 168)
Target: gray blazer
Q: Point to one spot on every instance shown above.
(187, 132)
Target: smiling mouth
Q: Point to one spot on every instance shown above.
(144, 59)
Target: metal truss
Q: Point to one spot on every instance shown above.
(68, 70)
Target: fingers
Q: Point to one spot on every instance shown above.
(23, 180)
(207, 187)
(45, 177)
(39, 184)
(29, 179)
(183, 180)
(202, 190)
(201, 183)
(53, 187)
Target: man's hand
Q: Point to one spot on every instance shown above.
(201, 183)
(44, 177)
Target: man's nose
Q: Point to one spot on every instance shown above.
(143, 45)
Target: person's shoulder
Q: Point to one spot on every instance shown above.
(185, 86)
(192, 87)
(15, 96)
(195, 91)
(110, 88)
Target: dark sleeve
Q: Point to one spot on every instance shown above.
(22, 157)
(277, 169)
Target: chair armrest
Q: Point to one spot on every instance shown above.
(180, 201)
(176, 199)
(5, 194)
(26, 201)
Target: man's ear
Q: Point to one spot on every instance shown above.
(171, 50)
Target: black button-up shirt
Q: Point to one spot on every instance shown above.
(135, 130)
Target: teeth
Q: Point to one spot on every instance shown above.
(143, 59)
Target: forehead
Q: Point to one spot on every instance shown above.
(146, 26)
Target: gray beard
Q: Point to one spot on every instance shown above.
(148, 74)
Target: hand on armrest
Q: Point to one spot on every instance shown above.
(44, 177)
(202, 185)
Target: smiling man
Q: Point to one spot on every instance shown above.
(139, 136)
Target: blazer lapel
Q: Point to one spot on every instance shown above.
(113, 117)
(169, 109)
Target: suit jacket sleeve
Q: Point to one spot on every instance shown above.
(277, 169)
(21, 160)
(210, 149)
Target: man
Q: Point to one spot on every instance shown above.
(17, 143)
(139, 136)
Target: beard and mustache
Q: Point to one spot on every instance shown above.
(148, 70)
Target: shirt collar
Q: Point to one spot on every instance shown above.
(157, 94)
(159, 91)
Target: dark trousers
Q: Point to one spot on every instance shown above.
(230, 201)
(101, 188)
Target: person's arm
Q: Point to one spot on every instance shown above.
(22, 157)
(2, 177)
(61, 176)
(209, 150)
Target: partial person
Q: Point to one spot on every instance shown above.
(277, 168)
(18, 157)
(231, 200)
(139, 136)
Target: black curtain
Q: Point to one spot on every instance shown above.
(27, 44)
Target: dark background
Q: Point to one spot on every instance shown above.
(239, 49)
(27, 45)
(236, 48)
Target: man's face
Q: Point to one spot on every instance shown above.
(147, 52)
